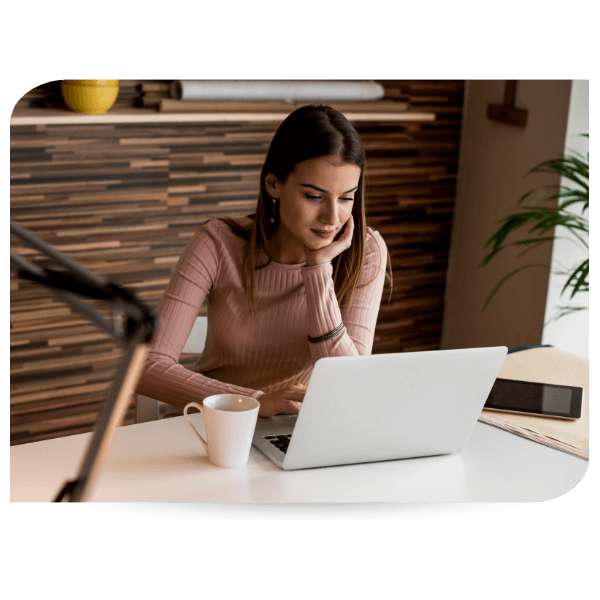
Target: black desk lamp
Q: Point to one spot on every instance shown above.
(132, 324)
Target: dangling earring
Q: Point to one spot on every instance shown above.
(273, 216)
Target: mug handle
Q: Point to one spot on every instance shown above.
(185, 412)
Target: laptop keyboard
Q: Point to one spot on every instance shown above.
(280, 441)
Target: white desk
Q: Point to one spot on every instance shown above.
(163, 461)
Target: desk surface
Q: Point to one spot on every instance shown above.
(163, 461)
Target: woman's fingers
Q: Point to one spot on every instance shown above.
(296, 392)
(285, 400)
(328, 253)
(294, 407)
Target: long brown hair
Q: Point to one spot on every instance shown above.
(311, 131)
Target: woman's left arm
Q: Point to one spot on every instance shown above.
(324, 314)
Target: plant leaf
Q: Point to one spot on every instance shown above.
(503, 280)
(568, 167)
(525, 196)
(574, 198)
(510, 223)
(563, 311)
(541, 220)
(582, 284)
(534, 241)
(532, 244)
(580, 272)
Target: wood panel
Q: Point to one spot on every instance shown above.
(48, 94)
(124, 199)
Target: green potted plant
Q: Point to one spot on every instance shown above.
(544, 221)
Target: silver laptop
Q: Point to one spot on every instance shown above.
(361, 409)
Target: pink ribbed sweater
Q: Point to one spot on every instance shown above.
(292, 302)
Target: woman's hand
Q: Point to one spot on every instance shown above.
(329, 252)
(287, 400)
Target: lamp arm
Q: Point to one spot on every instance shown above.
(135, 329)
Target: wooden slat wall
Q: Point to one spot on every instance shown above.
(48, 95)
(124, 199)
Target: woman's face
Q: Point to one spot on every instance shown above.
(315, 202)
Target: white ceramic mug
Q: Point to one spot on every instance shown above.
(230, 421)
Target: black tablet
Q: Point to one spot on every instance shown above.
(540, 399)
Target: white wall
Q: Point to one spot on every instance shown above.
(571, 332)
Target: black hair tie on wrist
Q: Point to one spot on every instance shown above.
(328, 336)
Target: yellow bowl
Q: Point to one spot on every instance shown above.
(89, 96)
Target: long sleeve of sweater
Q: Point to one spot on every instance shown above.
(246, 357)
(360, 317)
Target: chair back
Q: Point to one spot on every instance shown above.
(197, 338)
(148, 409)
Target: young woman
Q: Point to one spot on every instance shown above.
(299, 280)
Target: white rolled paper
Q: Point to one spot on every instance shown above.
(286, 91)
